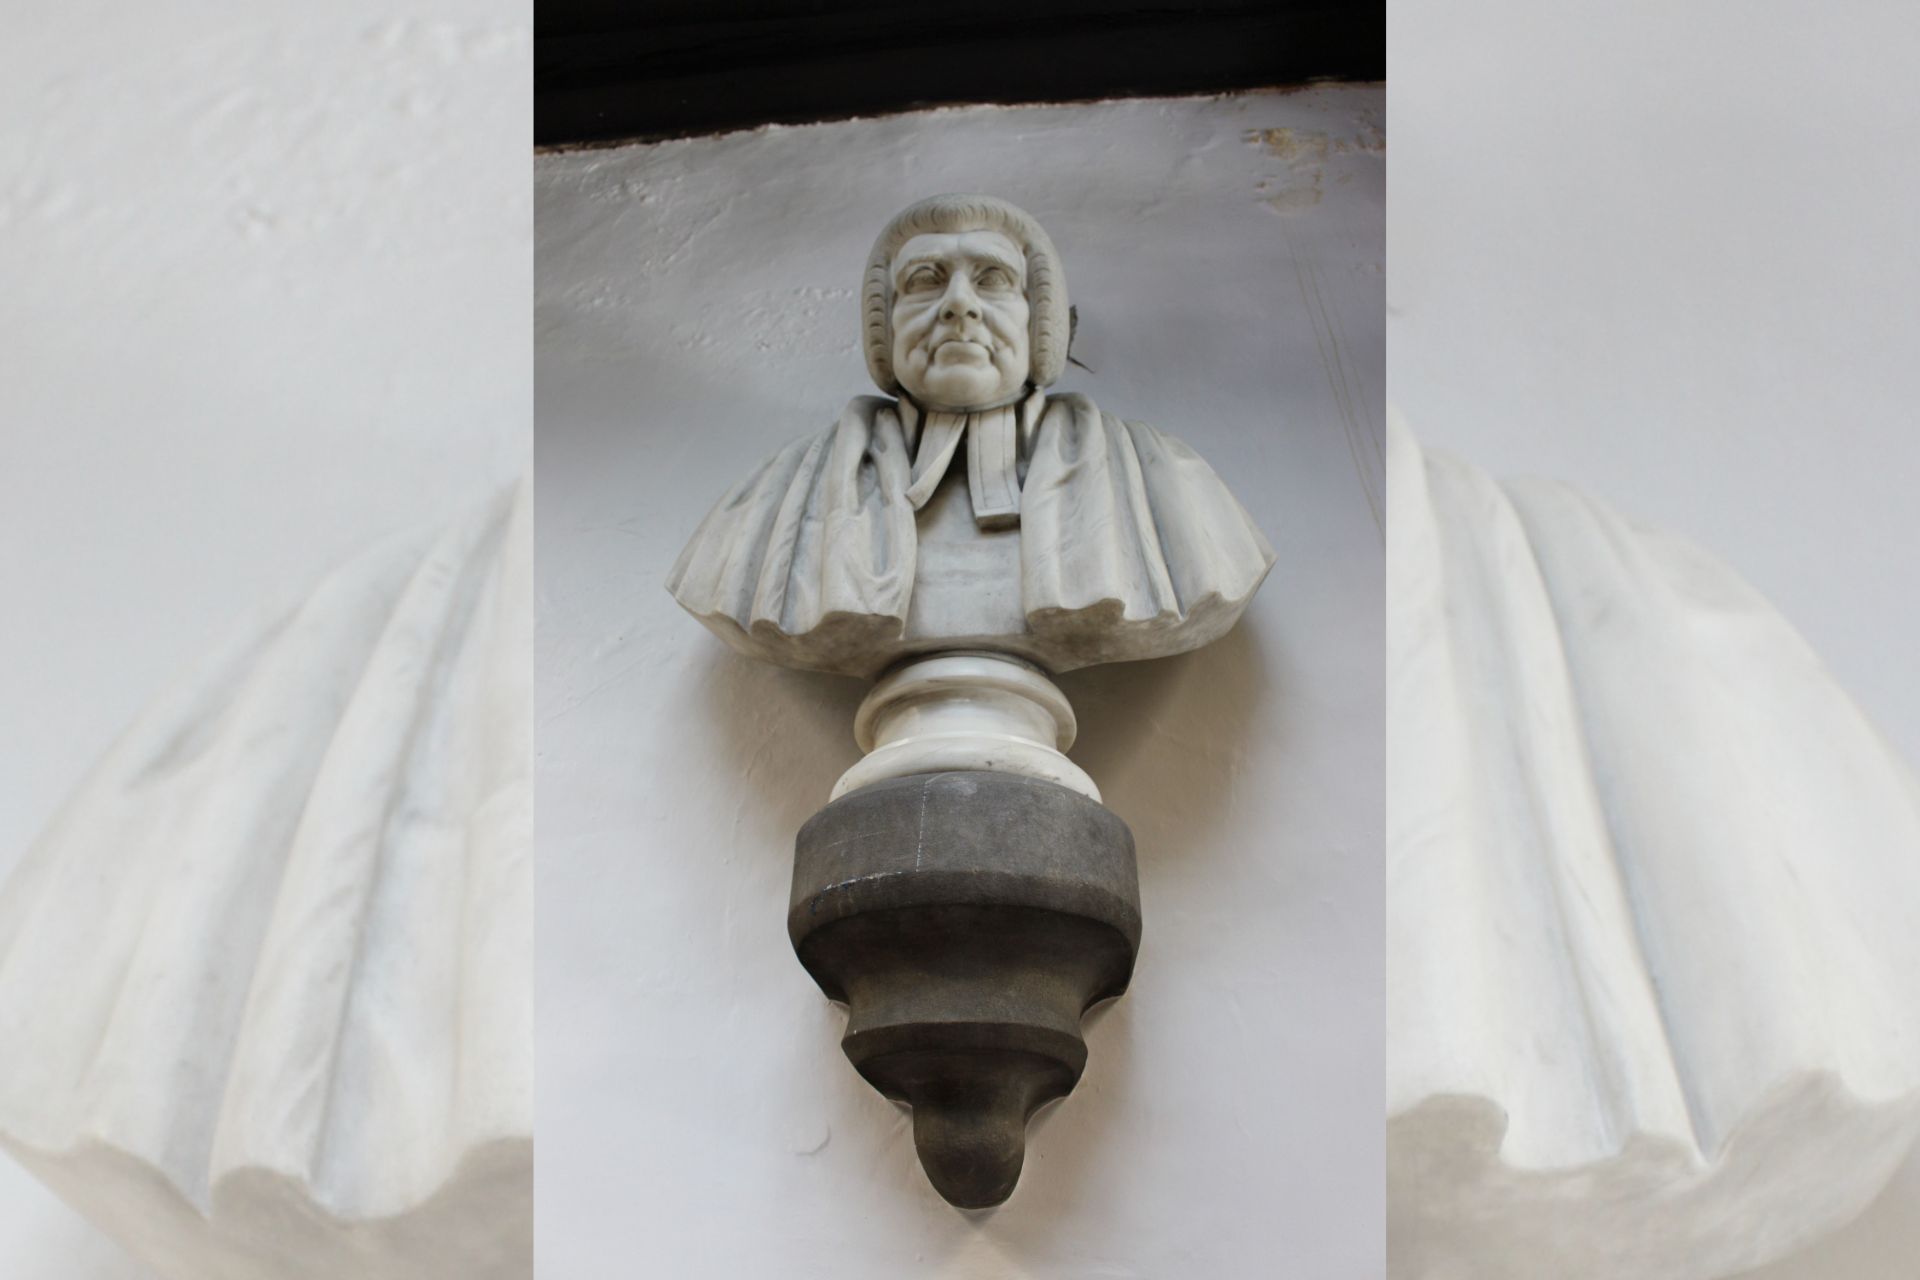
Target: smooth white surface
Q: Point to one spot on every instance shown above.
(266, 277)
(1653, 902)
(1666, 252)
(695, 1107)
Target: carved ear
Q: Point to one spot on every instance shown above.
(876, 320)
(1073, 327)
(1051, 322)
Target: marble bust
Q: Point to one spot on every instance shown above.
(969, 509)
(964, 538)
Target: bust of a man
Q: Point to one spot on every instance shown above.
(970, 510)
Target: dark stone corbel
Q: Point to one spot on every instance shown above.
(967, 920)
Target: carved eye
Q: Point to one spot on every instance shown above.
(921, 279)
(994, 278)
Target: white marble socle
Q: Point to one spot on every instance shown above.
(1653, 895)
(266, 981)
(965, 711)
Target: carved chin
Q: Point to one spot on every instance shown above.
(959, 385)
(959, 375)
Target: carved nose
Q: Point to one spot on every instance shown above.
(961, 300)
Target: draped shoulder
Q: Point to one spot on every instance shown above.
(1653, 882)
(809, 561)
(1132, 546)
(264, 981)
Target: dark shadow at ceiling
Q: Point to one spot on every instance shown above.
(607, 71)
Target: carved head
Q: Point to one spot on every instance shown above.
(964, 304)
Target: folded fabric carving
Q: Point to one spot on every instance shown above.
(266, 982)
(1653, 887)
(1130, 546)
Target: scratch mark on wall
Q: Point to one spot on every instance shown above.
(920, 841)
(1365, 446)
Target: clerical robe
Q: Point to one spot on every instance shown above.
(1130, 546)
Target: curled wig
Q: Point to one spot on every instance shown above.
(1047, 323)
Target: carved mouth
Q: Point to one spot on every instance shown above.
(981, 347)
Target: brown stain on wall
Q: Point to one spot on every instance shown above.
(1304, 153)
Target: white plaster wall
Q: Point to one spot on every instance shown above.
(266, 276)
(1667, 253)
(697, 306)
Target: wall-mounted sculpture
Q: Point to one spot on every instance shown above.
(1653, 902)
(266, 982)
(966, 893)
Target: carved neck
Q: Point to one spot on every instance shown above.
(918, 410)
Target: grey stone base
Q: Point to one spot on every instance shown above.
(967, 920)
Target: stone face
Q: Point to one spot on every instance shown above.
(967, 920)
(266, 982)
(1653, 889)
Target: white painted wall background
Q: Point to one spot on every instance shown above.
(697, 306)
(265, 290)
(1668, 253)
